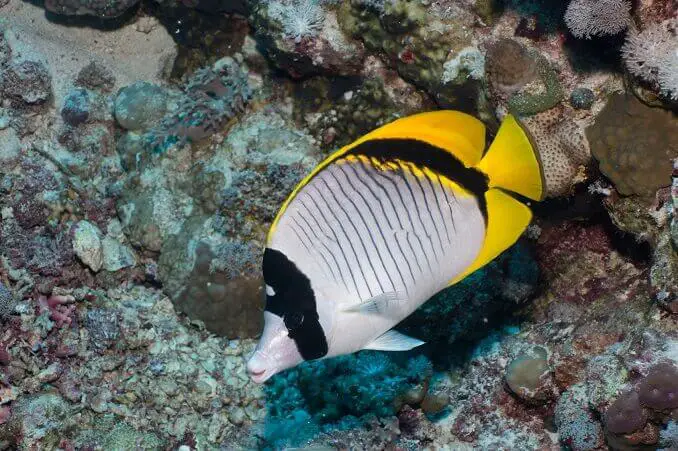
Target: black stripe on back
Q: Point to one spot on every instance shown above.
(423, 154)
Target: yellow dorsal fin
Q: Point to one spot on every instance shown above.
(454, 131)
(507, 218)
(512, 162)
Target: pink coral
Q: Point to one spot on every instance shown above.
(60, 308)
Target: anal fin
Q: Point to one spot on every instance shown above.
(507, 219)
(393, 341)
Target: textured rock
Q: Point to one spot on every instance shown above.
(87, 245)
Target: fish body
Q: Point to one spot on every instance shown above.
(384, 224)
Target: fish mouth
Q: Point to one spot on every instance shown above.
(259, 376)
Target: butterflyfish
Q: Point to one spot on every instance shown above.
(381, 226)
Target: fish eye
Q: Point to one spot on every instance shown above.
(269, 290)
(293, 320)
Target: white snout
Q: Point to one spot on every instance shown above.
(259, 367)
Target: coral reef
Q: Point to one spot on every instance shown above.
(145, 148)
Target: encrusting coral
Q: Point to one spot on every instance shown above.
(634, 144)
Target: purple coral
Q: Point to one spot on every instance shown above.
(588, 18)
(625, 415)
(659, 390)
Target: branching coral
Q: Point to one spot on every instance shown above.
(587, 18)
(652, 55)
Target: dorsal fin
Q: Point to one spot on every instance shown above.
(453, 131)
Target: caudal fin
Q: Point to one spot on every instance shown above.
(512, 162)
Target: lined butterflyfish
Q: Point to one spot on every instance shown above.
(382, 225)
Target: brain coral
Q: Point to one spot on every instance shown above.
(635, 145)
(562, 147)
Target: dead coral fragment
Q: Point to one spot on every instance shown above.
(635, 145)
(588, 18)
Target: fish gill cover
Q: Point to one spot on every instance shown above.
(146, 147)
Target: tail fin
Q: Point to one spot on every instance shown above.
(512, 162)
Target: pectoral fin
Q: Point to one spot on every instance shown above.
(394, 341)
(381, 304)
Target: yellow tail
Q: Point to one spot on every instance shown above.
(512, 162)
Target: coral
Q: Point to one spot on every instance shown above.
(521, 78)
(340, 392)
(75, 110)
(651, 55)
(58, 308)
(582, 98)
(468, 62)
(587, 18)
(418, 42)
(510, 65)
(218, 283)
(635, 145)
(625, 415)
(528, 376)
(299, 18)
(140, 105)
(96, 76)
(103, 327)
(304, 37)
(211, 97)
(577, 426)
(669, 436)
(562, 146)
(659, 389)
(28, 82)
(7, 302)
(98, 8)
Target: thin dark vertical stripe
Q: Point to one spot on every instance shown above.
(341, 248)
(322, 240)
(447, 201)
(388, 195)
(376, 220)
(367, 227)
(409, 217)
(367, 170)
(329, 267)
(350, 241)
(440, 211)
(430, 214)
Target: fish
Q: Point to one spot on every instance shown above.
(382, 225)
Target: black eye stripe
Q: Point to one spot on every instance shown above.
(294, 302)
